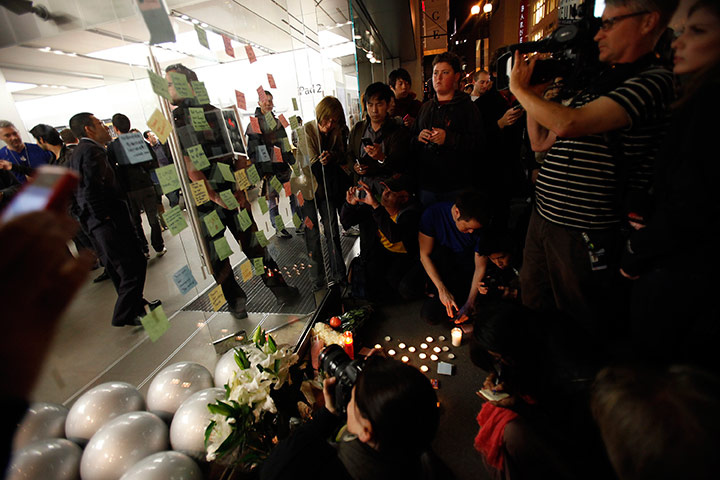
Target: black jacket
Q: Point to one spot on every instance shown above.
(455, 165)
(269, 138)
(396, 144)
(404, 229)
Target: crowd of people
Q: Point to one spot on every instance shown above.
(572, 229)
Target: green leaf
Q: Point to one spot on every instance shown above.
(258, 336)
(227, 391)
(272, 345)
(220, 408)
(208, 432)
(241, 359)
(277, 365)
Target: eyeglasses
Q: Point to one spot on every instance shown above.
(609, 23)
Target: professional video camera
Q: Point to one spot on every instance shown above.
(336, 363)
(573, 52)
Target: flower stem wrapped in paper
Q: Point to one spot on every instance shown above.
(243, 421)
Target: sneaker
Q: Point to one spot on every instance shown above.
(161, 252)
(300, 231)
(147, 255)
(284, 234)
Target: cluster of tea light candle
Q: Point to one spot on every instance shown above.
(429, 349)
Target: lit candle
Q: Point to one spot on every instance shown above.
(437, 350)
(451, 356)
(348, 344)
(424, 368)
(445, 348)
(441, 338)
(401, 345)
(405, 359)
(391, 352)
(411, 349)
(456, 336)
(378, 346)
(423, 345)
(387, 339)
(422, 356)
(429, 339)
(434, 357)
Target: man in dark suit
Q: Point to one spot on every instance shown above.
(103, 212)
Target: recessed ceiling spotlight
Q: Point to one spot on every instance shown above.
(195, 21)
(204, 25)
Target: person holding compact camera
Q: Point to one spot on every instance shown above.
(391, 416)
(601, 154)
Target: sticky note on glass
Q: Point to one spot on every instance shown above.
(202, 36)
(296, 220)
(225, 171)
(258, 266)
(294, 102)
(157, 21)
(250, 53)
(213, 223)
(261, 94)
(263, 204)
(174, 219)
(199, 192)
(167, 176)
(253, 175)
(277, 157)
(279, 223)
(217, 298)
(286, 144)
(262, 154)
(197, 157)
(255, 124)
(155, 323)
(198, 120)
(296, 169)
(262, 240)
(184, 280)
(309, 223)
(160, 125)
(276, 185)
(244, 219)
(241, 179)
(246, 271)
(271, 80)
(229, 199)
(300, 199)
(283, 121)
(288, 188)
(181, 85)
(200, 92)
(159, 85)
(240, 100)
(222, 248)
(270, 120)
(294, 122)
(228, 46)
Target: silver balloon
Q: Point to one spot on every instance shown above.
(121, 443)
(54, 458)
(187, 431)
(225, 368)
(164, 466)
(98, 405)
(174, 385)
(41, 421)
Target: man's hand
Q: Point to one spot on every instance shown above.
(510, 117)
(368, 199)
(482, 289)
(438, 136)
(628, 276)
(447, 299)
(425, 136)
(464, 313)
(324, 157)
(409, 121)
(360, 169)
(521, 72)
(350, 196)
(375, 152)
(329, 394)
(5, 165)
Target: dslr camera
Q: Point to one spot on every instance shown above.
(336, 363)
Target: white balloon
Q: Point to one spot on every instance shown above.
(121, 443)
(164, 466)
(225, 368)
(56, 458)
(187, 431)
(42, 420)
(174, 385)
(98, 405)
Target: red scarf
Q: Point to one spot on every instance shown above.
(489, 440)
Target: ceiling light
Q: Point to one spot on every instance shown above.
(487, 8)
(372, 60)
(357, 37)
(195, 21)
(19, 86)
(475, 9)
(339, 24)
(184, 17)
(44, 49)
(204, 25)
(369, 54)
(58, 52)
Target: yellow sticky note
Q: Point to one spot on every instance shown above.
(217, 298)
(199, 192)
(160, 125)
(241, 179)
(246, 270)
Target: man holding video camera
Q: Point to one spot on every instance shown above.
(601, 151)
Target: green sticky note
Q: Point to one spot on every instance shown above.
(182, 87)
(296, 220)
(202, 37)
(276, 185)
(229, 199)
(167, 176)
(286, 145)
(197, 118)
(225, 171)
(263, 205)
(159, 85)
(200, 92)
(270, 120)
(175, 220)
(294, 122)
(253, 175)
(279, 223)
(222, 248)
(258, 266)
(197, 157)
(244, 219)
(213, 223)
(296, 169)
(295, 105)
(262, 240)
(155, 323)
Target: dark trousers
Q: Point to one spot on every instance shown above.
(126, 265)
(329, 215)
(146, 199)
(456, 272)
(557, 274)
(389, 275)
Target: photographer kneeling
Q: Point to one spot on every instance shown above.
(392, 416)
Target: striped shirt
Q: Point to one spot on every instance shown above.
(578, 183)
